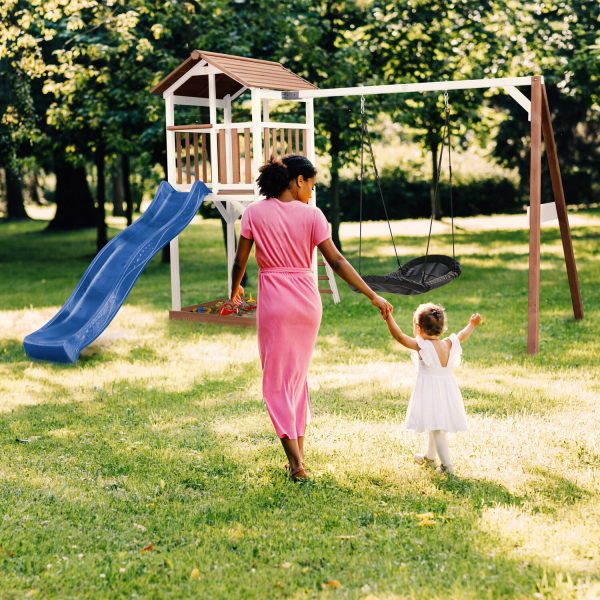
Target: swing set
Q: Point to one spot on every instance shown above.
(227, 155)
(431, 271)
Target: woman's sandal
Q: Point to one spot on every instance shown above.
(298, 475)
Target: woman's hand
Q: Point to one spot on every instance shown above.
(383, 305)
(237, 295)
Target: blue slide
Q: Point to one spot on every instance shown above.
(111, 275)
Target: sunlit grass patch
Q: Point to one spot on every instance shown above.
(150, 467)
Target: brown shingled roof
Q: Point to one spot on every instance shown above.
(237, 72)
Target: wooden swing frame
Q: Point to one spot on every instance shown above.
(541, 127)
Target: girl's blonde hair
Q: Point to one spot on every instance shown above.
(431, 318)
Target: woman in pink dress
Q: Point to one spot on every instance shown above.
(286, 229)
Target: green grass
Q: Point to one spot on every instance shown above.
(158, 436)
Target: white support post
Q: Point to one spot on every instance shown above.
(257, 149)
(230, 212)
(233, 215)
(171, 177)
(214, 154)
(520, 98)
(310, 154)
(228, 140)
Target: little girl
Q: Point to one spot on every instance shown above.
(436, 404)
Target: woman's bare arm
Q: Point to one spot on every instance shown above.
(346, 271)
(239, 266)
(400, 336)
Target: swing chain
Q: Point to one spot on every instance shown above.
(362, 166)
(365, 136)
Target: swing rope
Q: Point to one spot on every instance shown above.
(445, 141)
(420, 274)
(365, 135)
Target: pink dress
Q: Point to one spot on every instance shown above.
(289, 304)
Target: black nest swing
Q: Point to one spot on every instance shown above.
(424, 273)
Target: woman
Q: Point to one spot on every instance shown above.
(286, 230)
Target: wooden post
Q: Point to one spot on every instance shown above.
(214, 152)
(535, 190)
(247, 156)
(196, 158)
(228, 141)
(179, 156)
(265, 117)
(257, 151)
(171, 176)
(222, 157)
(561, 205)
(204, 159)
(235, 154)
(188, 160)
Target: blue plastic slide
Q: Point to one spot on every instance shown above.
(111, 275)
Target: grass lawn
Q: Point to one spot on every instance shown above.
(151, 469)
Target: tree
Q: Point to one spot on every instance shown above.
(571, 71)
(426, 41)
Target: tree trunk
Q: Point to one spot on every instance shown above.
(334, 215)
(118, 193)
(436, 207)
(15, 206)
(127, 188)
(74, 202)
(101, 233)
(33, 188)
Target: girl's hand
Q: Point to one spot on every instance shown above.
(383, 305)
(237, 295)
(475, 320)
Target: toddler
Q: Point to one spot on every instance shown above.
(436, 404)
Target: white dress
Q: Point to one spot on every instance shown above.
(436, 402)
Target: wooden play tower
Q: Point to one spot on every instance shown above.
(227, 155)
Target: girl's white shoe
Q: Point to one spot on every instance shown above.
(423, 459)
(446, 469)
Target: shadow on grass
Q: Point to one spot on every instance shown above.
(202, 499)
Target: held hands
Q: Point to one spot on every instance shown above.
(383, 305)
(475, 320)
(237, 294)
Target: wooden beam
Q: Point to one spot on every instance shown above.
(561, 206)
(191, 126)
(204, 158)
(535, 191)
(222, 157)
(235, 155)
(188, 161)
(179, 157)
(196, 157)
(247, 157)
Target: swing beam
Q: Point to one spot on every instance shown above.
(539, 114)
